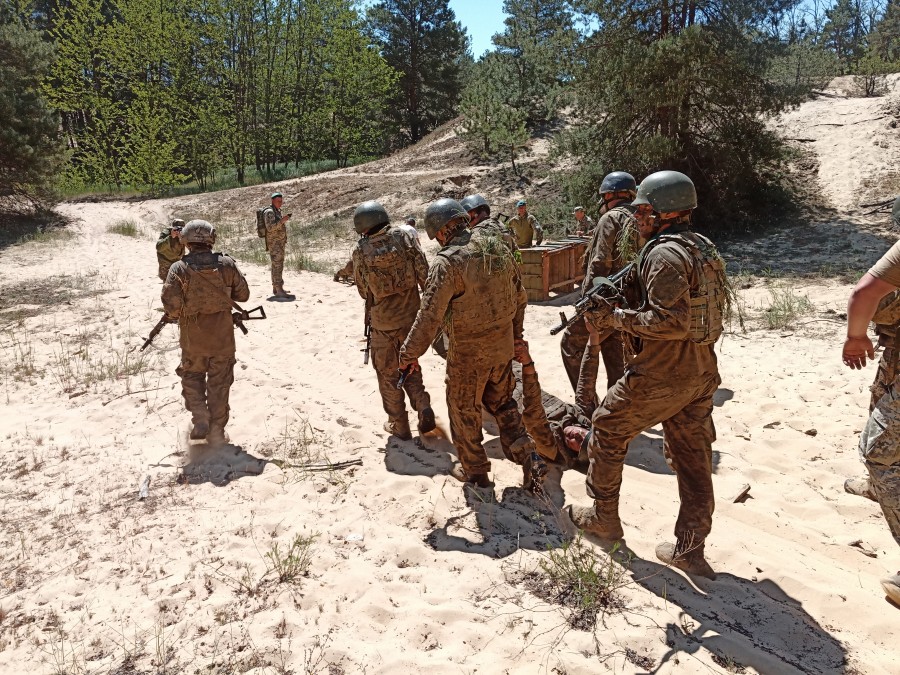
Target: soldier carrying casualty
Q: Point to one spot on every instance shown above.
(475, 291)
(198, 293)
(678, 296)
(276, 243)
(169, 247)
(525, 226)
(584, 224)
(876, 298)
(613, 244)
(389, 268)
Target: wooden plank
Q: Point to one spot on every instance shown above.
(535, 295)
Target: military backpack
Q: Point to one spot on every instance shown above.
(261, 221)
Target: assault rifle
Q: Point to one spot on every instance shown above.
(603, 288)
(156, 329)
(238, 318)
(879, 207)
(367, 332)
(404, 373)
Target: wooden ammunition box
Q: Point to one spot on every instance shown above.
(554, 266)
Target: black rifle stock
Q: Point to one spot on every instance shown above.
(609, 288)
(404, 373)
(238, 318)
(156, 330)
(367, 332)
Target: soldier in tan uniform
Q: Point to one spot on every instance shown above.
(613, 243)
(481, 222)
(276, 243)
(475, 292)
(198, 294)
(678, 296)
(525, 227)
(169, 247)
(584, 224)
(879, 444)
(389, 268)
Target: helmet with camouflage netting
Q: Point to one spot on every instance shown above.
(368, 215)
(618, 181)
(441, 212)
(199, 232)
(667, 192)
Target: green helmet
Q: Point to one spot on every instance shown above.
(368, 215)
(895, 213)
(441, 212)
(667, 191)
(199, 232)
(618, 181)
(473, 202)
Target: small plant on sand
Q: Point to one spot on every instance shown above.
(785, 308)
(126, 228)
(292, 565)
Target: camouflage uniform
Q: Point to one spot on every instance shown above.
(546, 416)
(670, 379)
(586, 224)
(169, 249)
(481, 302)
(206, 330)
(276, 242)
(346, 272)
(524, 229)
(389, 269)
(602, 259)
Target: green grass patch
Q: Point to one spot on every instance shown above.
(125, 228)
(785, 307)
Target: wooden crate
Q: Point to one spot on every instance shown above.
(555, 266)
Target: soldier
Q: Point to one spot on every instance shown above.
(672, 375)
(198, 294)
(276, 242)
(875, 298)
(389, 268)
(480, 220)
(409, 225)
(525, 226)
(584, 224)
(479, 296)
(613, 242)
(169, 247)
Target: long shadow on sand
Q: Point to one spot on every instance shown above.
(219, 464)
(755, 623)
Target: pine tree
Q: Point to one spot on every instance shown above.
(423, 41)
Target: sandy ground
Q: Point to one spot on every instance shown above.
(405, 571)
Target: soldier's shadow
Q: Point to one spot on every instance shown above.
(519, 520)
(429, 455)
(219, 464)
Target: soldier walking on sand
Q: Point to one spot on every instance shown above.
(276, 242)
(876, 298)
(169, 247)
(198, 294)
(525, 226)
(679, 294)
(475, 291)
(389, 268)
(613, 242)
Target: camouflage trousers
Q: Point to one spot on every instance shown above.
(386, 361)
(276, 253)
(472, 384)
(573, 344)
(636, 403)
(164, 270)
(879, 446)
(205, 385)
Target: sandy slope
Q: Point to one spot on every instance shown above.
(405, 573)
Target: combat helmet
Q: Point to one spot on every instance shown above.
(441, 212)
(618, 181)
(368, 215)
(472, 202)
(199, 232)
(895, 213)
(666, 192)
(177, 224)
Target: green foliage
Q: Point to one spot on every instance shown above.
(785, 307)
(885, 38)
(804, 67)
(126, 228)
(30, 152)
(869, 77)
(845, 33)
(292, 565)
(428, 47)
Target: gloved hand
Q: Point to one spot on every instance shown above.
(600, 314)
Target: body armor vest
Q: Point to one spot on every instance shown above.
(208, 295)
(390, 270)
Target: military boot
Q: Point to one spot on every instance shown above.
(199, 430)
(599, 520)
(279, 292)
(480, 480)
(891, 586)
(399, 427)
(216, 435)
(861, 487)
(426, 420)
(686, 555)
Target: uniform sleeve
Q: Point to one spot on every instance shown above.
(521, 303)
(442, 285)
(168, 247)
(269, 217)
(420, 262)
(535, 417)
(172, 295)
(668, 313)
(538, 231)
(604, 249)
(586, 390)
(887, 269)
(240, 289)
(359, 274)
